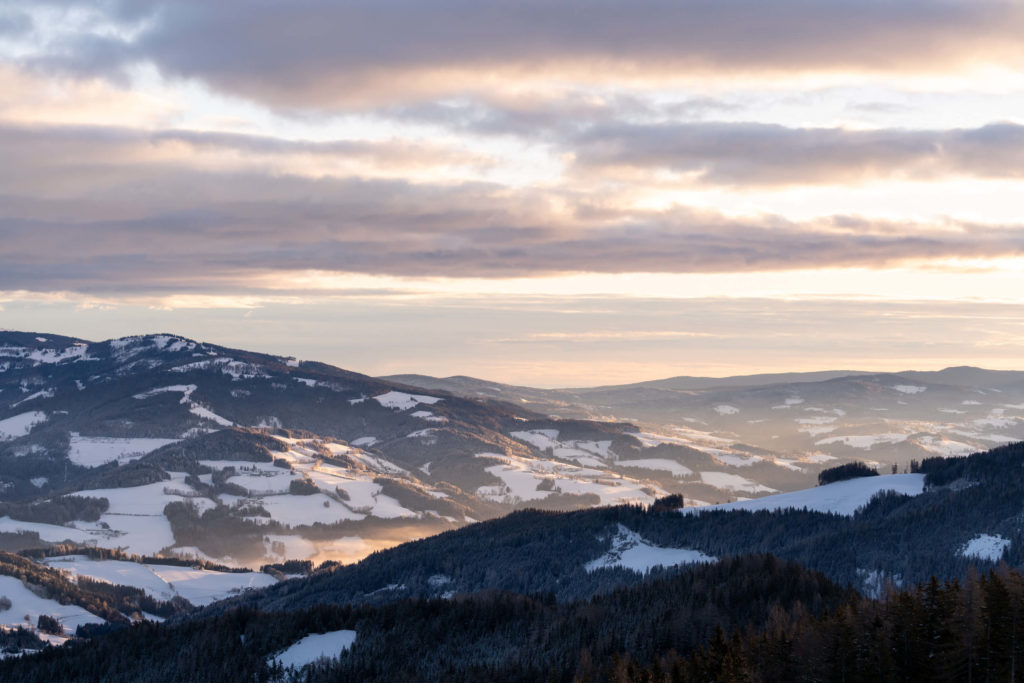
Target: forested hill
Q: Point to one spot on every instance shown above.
(492, 636)
(968, 515)
(744, 619)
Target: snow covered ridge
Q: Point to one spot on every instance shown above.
(841, 497)
(126, 347)
(631, 551)
(313, 647)
(235, 369)
(985, 547)
(74, 353)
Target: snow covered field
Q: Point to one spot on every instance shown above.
(93, 451)
(733, 482)
(26, 603)
(842, 497)
(198, 586)
(630, 551)
(404, 401)
(20, 425)
(315, 646)
(986, 547)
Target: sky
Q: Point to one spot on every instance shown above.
(540, 192)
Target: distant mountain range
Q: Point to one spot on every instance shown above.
(795, 419)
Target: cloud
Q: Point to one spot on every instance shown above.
(100, 210)
(764, 154)
(552, 117)
(14, 22)
(315, 54)
(42, 157)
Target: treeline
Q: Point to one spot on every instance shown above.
(97, 553)
(754, 618)
(843, 472)
(969, 631)
(57, 510)
(14, 640)
(218, 531)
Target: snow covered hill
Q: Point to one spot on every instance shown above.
(245, 458)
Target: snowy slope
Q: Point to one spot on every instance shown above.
(842, 497)
(315, 646)
(986, 547)
(630, 551)
(163, 582)
(26, 603)
(93, 451)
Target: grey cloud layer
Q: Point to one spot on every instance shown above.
(88, 210)
(315, 53)
(760, 154)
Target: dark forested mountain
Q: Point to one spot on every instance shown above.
(492, 636)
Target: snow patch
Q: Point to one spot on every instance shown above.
(733, 482)
(26, 603)
(45, 393)
(404, 401)
(20, 425)
(945, 447)
(429, 416)
(985, 547)
(313, 647)
(631, 551)
(163, 582)
(93, 451)
(909, 389)
(864, 441)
